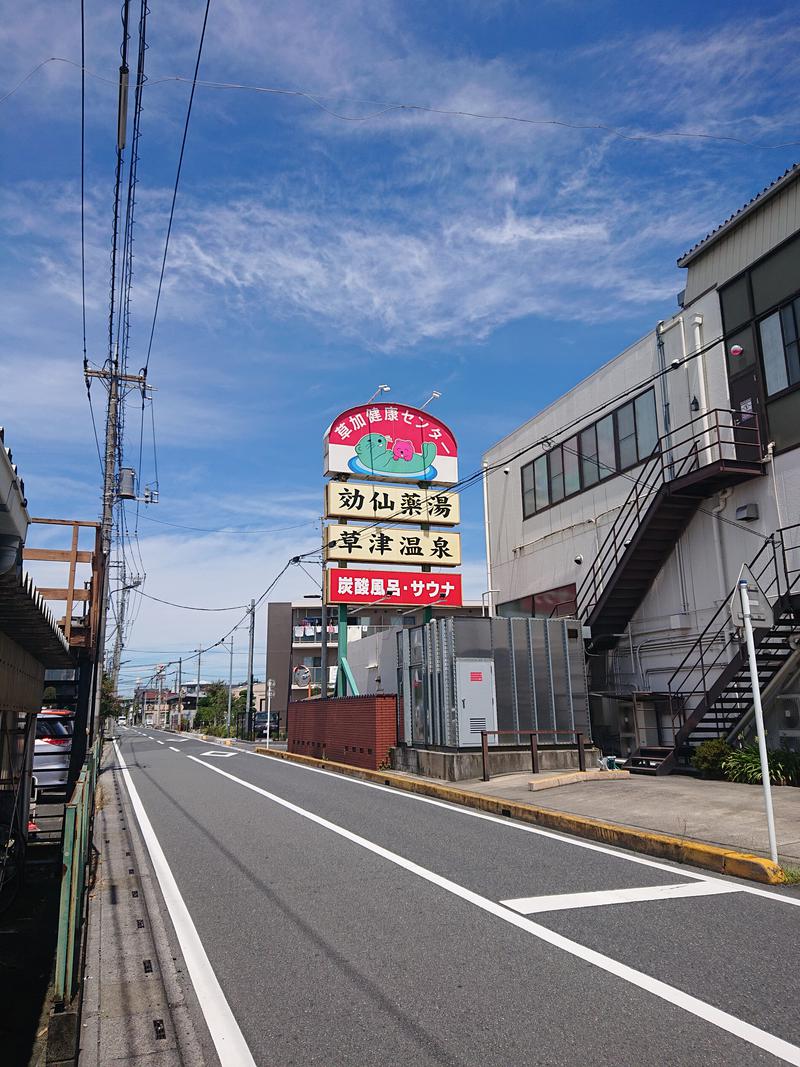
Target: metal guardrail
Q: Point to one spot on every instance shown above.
(533, 738)
(78, 819)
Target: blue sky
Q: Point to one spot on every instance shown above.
(315, 256)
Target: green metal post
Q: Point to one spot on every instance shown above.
(341, 681)
(64, 906)
(75, 889)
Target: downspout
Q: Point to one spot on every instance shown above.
(490, 591)
(771, 458)
(662, 328)
(724, 497)
(702, 387)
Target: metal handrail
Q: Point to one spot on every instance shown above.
(533, 737)
(704, 439)
(770, 569)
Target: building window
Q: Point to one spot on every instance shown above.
(779, 347)
(556, 476)
(620, 440)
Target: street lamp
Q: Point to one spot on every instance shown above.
(434, 396)
(378, 391)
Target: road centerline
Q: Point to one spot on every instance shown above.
(670, 994)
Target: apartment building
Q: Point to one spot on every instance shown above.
(634, 500)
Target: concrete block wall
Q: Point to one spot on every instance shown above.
(355, 730)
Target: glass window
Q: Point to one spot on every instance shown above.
(528, 497)
(646, 424)
(556, 476)
(540, 482)
(572, 475)
(590, 471)
(606, 451)
(774, 359)
(626, 436)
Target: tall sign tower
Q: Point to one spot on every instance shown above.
(387, 506)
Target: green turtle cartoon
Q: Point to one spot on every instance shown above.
(375, 454)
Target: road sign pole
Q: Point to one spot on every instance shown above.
(759, 717)
(270, 688)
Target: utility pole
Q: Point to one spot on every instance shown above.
(197, 694)
(251, 643)
(230, 687)
(180, 697)
(323, 658)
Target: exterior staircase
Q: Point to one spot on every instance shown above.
(710, 691)
(689, 463)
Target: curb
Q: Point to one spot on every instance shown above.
(662, 846)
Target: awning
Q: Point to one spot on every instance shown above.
(26, 619)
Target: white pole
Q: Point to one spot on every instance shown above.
(487, 539)
(759, 716)
(269, 708)
(230, 689)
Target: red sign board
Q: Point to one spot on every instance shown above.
(476, 676)
(401, 588)
(394, 442)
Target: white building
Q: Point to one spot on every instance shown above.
(634, 499)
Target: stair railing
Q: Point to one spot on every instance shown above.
(708, 438)
(776, 568)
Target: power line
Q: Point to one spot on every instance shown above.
(177, 182)
(231, 531)
(190, 607)
(386, 107)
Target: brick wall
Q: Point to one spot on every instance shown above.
(355, 730)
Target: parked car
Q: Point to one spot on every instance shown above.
(52, 747)
(260, 724)
(121, 720)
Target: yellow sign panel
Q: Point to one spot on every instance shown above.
(377, 544)
(356, 500)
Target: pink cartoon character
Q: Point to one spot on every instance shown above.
(403, 450)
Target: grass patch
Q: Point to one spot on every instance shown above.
(792, 875)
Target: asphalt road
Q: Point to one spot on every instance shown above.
(328, 921)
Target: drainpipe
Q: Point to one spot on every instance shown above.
(491, 591)
(724, 497)
(702, 387)
(662, 328)
(771, 458)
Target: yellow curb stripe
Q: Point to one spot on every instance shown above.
(663, 846)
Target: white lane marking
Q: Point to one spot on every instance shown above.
(219, 755)
(227, 1037)
(600, 898)
(511, 825)
(157, 741)
(737, 1027)
(174, 749)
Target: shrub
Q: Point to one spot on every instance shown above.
(709, 756)
(744, 765)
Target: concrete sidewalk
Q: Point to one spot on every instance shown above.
(717, 813)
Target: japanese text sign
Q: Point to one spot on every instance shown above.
(379, 544)
(356, 500)
(395, 443)
(400, 588)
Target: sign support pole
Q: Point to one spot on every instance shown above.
(759, 717)
(341, 681)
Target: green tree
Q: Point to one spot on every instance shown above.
(212, 709)
(110, 704)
